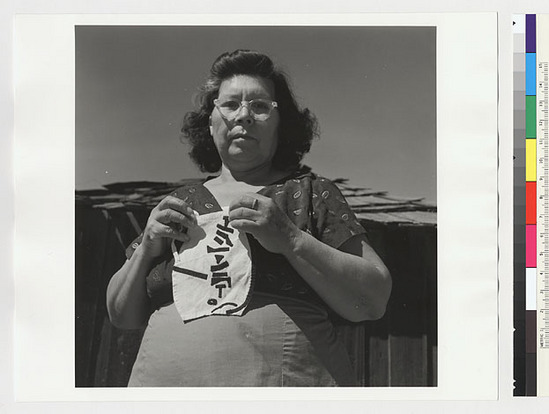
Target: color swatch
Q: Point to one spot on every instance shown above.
(531, 198)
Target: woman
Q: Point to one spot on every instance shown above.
(310, 258)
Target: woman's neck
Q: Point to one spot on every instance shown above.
(229, 185)
(261, 176)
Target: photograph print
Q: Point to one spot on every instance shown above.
(255, 206)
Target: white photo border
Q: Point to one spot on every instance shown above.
(466, 199)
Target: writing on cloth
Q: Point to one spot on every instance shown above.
(212, 273)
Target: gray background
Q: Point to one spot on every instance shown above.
(373, 90)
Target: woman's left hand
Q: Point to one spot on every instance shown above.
(353, 281)
(263, 219)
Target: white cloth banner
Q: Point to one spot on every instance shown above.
(212, 273)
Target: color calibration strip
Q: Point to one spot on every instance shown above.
(541, 90)
(531, 205)
(522, 387)
(531, 186)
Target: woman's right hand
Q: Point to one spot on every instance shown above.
(170, 219)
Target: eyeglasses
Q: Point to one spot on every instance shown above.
(259, 109)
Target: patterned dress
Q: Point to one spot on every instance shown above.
(285, 337)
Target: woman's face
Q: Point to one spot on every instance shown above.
(245, 144)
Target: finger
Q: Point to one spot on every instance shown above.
(243, 213)
(246, 226)
(249, 201)
(171, 216)
(158, 230)
(174, 203)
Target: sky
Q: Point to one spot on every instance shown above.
(373, 90)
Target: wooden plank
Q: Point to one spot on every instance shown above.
(116, 355)
(117, 349)
(372, 201)
(389, 208)
(378, 362)
(377, 368)
(352, 335)
(104, 363)
(113, 260)
(427, 243)
(127, 230)
(90, 254)
(361, 192)
(419, 217)
(406, 337)
(382, 218)
(410, 200)
(410, 329)
(408, 355)
(410, 348)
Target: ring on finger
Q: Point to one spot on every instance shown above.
(255, 204)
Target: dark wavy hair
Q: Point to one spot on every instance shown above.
(296, 129)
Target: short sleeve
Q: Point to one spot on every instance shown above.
(159, 280)
(133, 245)
(334, 220)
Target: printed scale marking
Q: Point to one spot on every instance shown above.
(542, 132)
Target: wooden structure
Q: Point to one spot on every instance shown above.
(397, 350)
